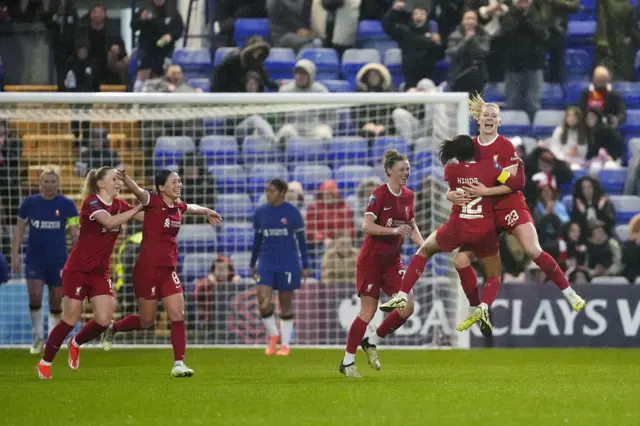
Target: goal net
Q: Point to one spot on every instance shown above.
(226, 147)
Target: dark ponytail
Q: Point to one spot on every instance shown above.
(461, 148)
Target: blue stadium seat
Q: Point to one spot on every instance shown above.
(633, 148)
(552, 96)
(194, 267)
(567, 200)
(219, 149)
(354, 59)
(494, 92)
(577, 61)
(169, 150)
(441, 72)
(382, 144)
(196, 238)
(193, 60)
(515, 123)
(622, 231)
(235, 236)
(580, 32)
(346, 124)
(393, 62)
(583, 15)
(132, 68)
(234, 207)
(203, 84)
(257, 150)
(348, 150)
(260, 174)
(630, 91)
(326, 60)
(280, 63)
(245, 28)
(348, 178)
(214, 126)
(626, 207)
(306, 150)
(312, 176)
(632, 125)
(370, 29)
(241, 263)
(230, 179)
(222, 53)
(612, 181)
(545, 123)
(382, 46)
(573, 90)
(337, 86)
(637, 62)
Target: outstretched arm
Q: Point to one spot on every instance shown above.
(213, 217)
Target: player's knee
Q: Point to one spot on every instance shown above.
(176, 315)
(35, 306)
(534, 251)
(461, 261)
(265, 307)
(103, 319)
(146, 322)
(366, 314)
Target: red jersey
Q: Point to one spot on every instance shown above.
(390, 210)
(92, 252)
(159, 247)
(502, 153)
(477, 216)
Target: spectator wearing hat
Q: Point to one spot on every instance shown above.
(604, 255)
(230, 75)
(373, 120)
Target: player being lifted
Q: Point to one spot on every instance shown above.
(278, 247)
(49, 215)
(470, 227)
(154, 274)
(388, 219)
(86, 272)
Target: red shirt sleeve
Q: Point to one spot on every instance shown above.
(507, 155)
(374, 206)
(183, 207)
(412, 212)
(124, 206)
(155, 200)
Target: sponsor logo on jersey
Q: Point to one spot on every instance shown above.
(45, 224)
(372, 200)
(275, 232)
(283, 220)
(168, 223)
(110, 230)
(392, 223)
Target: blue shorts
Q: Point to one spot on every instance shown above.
(49, 272)
(281, 281)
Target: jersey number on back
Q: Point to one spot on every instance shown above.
(473, 207)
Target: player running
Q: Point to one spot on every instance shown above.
(86, 273)
(512, 213)
(388, 219)
(154, 274)
(278, 246)
(470, 227)
(49, 216)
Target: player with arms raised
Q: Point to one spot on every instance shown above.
(388, 219)
(512, 213)
(86, 273)
(49, 215)
(154, 274)
(470, 227)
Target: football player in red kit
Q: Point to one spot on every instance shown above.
(470, 227)
(86, 272)
(512, 213)
(154, 274)
(388, 219)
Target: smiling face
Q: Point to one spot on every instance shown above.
(399, 173)
(172, 188)
(110, 184)
(489, 121)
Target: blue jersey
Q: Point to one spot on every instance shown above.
(48, 221)
(280, 238)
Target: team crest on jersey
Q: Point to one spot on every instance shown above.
(57, 213)
(372, 200)
(283, 220)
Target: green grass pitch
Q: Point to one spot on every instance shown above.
(244, 387)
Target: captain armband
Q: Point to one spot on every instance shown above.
(503, 176)
(73, 221)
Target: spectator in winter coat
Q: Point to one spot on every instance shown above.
(605, 143)
(290, 22)
(230, 75)
(491, 13)
(339, 262)
(328, 216)
(555, 15)
(160, 27)
(80, 74)
(604, 255)
(171, 82)
(418, 39)
(61, 20)
(373, 120)
(590, 205)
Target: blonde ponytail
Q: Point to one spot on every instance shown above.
(90, 185)
(477, 105)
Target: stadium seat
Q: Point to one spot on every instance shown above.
(257, 150)
(612, 181)
(193, 60)
(132, 68)
(626, 207)
(214, 125)
(632, 125)
(346, 124)
(194, 267)
(326, 60)
(580, 32)
(494, 92)
(393, 62)
(230, 179)
(381, 45)
(196, 238)
(306, 150)
(348, 178)
(552, 96)
(337, 86)
(630, 91)
(241, 263)
(545, 123)
(515, 123)
(234, 207)
(311, 176)
(219, 150)
(203, 84)
(280, 63)
(235, 236)
(567, 188)
(577, 62)
(573, 90)
(633, 147)
(169, 150)
(622, 231)
(370, 29)
(222, 53)
(382, 144)
(354, 59)
(245, 28)
(348, 150)
(260, 174)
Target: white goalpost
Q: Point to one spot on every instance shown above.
(225, 147)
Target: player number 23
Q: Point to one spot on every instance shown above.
(473, 207)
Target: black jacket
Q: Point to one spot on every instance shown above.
(163, 21)
(527, 35)
(230, 75)
(62, 23)
(613, 103)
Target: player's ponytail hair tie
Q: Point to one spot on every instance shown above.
(90, 185)
(477, 105)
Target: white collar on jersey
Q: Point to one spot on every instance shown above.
(488, 143)
(103, 201)
(391, 190)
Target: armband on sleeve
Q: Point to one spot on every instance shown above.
(73, 221)
(515, 182)
(503, 176)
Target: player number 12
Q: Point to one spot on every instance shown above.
(473, 207)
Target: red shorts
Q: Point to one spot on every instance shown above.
(508, 220)
(152, 283)
(482, 244)
(78, 284)
(373, 276)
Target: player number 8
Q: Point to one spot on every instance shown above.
(473, 207)
(175, 278)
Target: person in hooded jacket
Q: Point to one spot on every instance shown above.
(229, 76)
(373, 120)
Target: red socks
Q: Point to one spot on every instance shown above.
(90, 331)
(356, 334)
(550, 267)
(128, 323)
(179, 340)
(56, 337)
(391, 323)
(414, 270)
(490, 290)
(469, 283)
